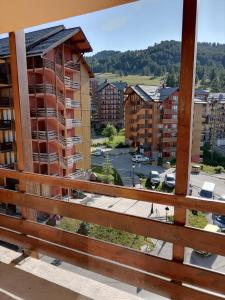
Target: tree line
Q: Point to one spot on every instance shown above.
(163, 59)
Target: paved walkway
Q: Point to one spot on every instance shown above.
(128, 206)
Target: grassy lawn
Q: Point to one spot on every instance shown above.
(130, 79)
(109, 234)
(198, 221)
(117, 140)
(209, 169)
(99, 172)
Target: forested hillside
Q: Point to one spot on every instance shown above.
(163, 60)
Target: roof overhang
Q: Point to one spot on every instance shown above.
(27, 13)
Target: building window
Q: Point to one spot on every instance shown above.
(175, 99)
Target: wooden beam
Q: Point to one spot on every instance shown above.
(186, 273)
(183, 236)
(21, 100)
(180, 201)
(18, 66)
(107, 268)
(185, 112)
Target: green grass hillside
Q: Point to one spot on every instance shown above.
(130, 79)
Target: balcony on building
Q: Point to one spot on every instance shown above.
(6, 102)
(25, 277)
(72, 103)
(6, 147)
(44, 135)
(71, 65)
(45, 157)
(70, 83)
(72, 123)
(6, 124)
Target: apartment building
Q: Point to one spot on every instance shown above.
(151, 120)
(216, 119)
(58, 79)
(108, 105)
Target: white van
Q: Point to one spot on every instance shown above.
(207, 190)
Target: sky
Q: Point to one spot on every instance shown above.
(146, 22)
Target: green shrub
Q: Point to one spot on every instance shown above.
(219, 169)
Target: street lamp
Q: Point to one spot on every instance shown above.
(167, 211)
(133, 167)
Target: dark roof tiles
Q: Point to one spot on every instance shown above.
(40, 41)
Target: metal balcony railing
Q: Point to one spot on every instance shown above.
(6, 147)
(43, 112)
(70, 160)
(72, 65)
(44, 135)
(70, 141)
(72, 103)
(72, 123)
(69, 83)
(42, 89)
(77, 174)
(45, 157)
(6, 102)
(5, 124)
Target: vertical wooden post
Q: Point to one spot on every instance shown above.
(22, 108)
(185, 112)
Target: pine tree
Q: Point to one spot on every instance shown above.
(107, 170)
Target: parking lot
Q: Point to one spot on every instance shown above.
(121, 161)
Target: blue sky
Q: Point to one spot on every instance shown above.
(140, 24)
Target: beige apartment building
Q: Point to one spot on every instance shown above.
(216, 119)
(108, 104)
(151, 120)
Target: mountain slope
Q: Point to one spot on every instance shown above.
(162, 59)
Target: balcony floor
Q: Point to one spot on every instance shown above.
(34, 279)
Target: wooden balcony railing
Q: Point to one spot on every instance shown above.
(134, 267)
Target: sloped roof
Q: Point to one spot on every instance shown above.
(120, 85)
(216, 96)
(41, 41)
(152, 92)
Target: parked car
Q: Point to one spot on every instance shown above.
(98, 152)
(170, 180)
(207, 190)
(220, 222)
(210, 228)
(154, 177)
(222, 197)
(139, 158)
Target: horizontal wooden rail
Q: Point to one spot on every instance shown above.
(185, 236)
(186, 202)
(186, 273)
(113, 270)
